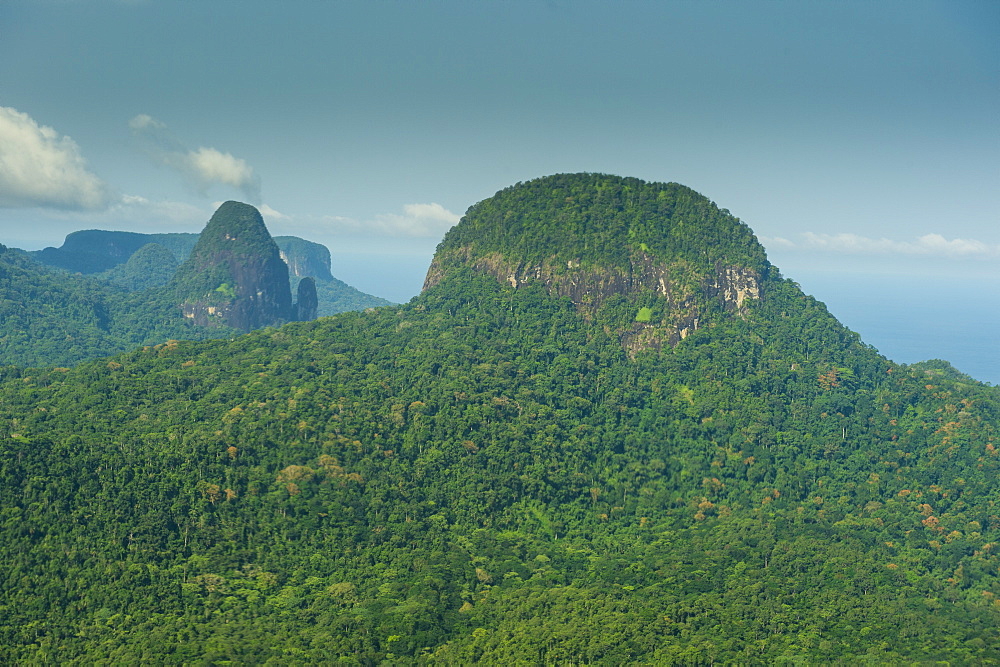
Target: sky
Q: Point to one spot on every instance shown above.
(860, 140)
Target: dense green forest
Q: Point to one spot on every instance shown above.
(51, 317)
(497, 472)
(103, 293)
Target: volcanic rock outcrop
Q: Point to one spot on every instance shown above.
(667, 258)
(235, 275)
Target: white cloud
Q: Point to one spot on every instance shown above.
(144, 122)
(935, 243)
(431, 212)
(269, 213)
(776, 241)
(417, 220)
(928, 245)
(203, 166)
(38, 167)
(139, 211)
(210, 166)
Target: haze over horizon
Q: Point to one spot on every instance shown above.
(860, 141)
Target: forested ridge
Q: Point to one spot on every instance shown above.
(106, 292)
(491, 474)
(50, 317)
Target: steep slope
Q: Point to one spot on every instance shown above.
(652, 261)
(306, 301)
(487, 474)
(105, 254)
(305, 258)
(235, 275)
(52, 318)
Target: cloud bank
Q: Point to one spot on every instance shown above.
(417, 220)
(934, 245)
(134, 210)
(38, 167)
(203, 167)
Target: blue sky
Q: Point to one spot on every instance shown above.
(860, 140)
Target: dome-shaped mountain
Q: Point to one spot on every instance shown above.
(672, 254)
(235, 275)
(152, 265)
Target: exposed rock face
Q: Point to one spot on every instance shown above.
(589, 288)
(305, 258)
(235, 275)
(307, 301)
(680, 262)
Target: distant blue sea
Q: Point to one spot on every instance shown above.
(913, 319)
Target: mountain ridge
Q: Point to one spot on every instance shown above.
(105, 253)
(487, 475)
(624, 256)
(51, 315)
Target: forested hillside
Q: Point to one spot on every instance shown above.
(635, 442)
(105, 292)
(50, 317)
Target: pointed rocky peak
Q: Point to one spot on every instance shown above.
(307, 301)
(235, 227)
(235, 275)
(670, 252)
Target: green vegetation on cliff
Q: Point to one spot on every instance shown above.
(604, 219)
(488, 474)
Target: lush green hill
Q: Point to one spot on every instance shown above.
(108, 256)
(511, 472)
(149, 267)
(106, 292)
(602, 220)
(50, 317)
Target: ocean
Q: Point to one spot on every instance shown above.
(910, 319)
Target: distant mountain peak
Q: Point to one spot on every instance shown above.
(235, 275)
(239, 223)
